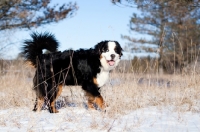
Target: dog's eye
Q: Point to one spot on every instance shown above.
(105, 50)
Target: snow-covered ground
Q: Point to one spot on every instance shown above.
(152, 119)
(136, 104)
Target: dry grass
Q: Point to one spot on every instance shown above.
(16, 84)
(125, 91)
(140, 91)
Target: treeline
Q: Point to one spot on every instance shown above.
(149, 65)
(173, 26)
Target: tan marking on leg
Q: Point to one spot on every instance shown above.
(40, 103)
(100, 102)
(91, 100)
(53, 107)
(95, 100)
(60, 87)
(58, 94)
(95, 81)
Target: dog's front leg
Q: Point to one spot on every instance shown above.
(98, 100)
(93, 95)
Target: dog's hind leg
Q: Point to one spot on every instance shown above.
(60, 87)
(52, 107)
(35, 106)
(38, 104)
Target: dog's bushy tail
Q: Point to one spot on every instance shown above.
(33, 47)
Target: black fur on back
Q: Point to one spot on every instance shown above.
(70, 67)
(33, 47)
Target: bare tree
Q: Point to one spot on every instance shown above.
(32, 13)
(26, 14)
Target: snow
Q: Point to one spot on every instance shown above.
(151, 119)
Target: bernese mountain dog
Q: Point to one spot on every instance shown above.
(89, 68)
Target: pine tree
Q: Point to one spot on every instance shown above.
(173, 26)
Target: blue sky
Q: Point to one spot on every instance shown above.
(95, 21)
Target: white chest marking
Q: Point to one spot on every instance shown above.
(102, 78)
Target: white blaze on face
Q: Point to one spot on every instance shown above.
(107, 61)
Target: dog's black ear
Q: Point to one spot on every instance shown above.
(118, 48)
(100, 47)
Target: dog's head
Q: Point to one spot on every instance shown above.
(110, 53)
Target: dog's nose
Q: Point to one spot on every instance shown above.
(112, 56)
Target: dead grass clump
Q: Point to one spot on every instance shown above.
(133, 91)
(16, 84)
